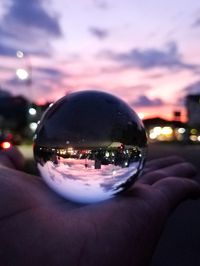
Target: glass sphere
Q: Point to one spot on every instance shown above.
(90, 146)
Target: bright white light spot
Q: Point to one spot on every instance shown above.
(181, 130)
(153, 135)
(157, 130)
(141, 115)
(167, 130)
(107, 154)
(32, 111)
(33, 126)
(22, 74)
(19, 54)
(70, 150)
(50, 105)
(198, 138)
(114, 172)
(193, 138)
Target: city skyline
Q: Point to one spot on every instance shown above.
(145, 53)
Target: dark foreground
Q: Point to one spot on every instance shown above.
(179, 244)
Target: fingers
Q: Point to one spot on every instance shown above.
(161, 163)
(12, 158)
(182, 169)
(174, 190)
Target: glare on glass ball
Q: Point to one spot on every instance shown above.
(90, 146)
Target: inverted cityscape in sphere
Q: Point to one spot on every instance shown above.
(90, 146)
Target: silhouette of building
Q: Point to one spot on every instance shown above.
(193, 110)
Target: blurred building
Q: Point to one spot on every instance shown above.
(18, 116)
(177, 115)
(193, 110)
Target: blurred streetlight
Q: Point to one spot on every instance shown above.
(32, 111)
(19, 54)
(22, 74)
(33, 126)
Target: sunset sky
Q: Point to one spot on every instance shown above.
(146, 52)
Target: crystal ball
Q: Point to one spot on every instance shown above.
(90, 146)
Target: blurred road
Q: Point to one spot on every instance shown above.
(179, 244)
(190, 152)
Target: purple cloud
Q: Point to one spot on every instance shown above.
(99, 33)
(144, 101)
(196, 23)
(101, 4)
(33, 15)
(151, 58)
(6, 50)
(193, 88)
(26, 25)
(50, 71)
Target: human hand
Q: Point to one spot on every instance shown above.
(37, 227)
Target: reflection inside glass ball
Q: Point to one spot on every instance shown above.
(90, 146)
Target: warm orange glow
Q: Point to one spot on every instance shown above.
(165, 112)
(161, 133)
(5, 145)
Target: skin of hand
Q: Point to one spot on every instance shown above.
(37, 227)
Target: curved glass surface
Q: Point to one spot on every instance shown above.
(90, 146)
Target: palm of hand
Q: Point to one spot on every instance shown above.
(40, 228)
